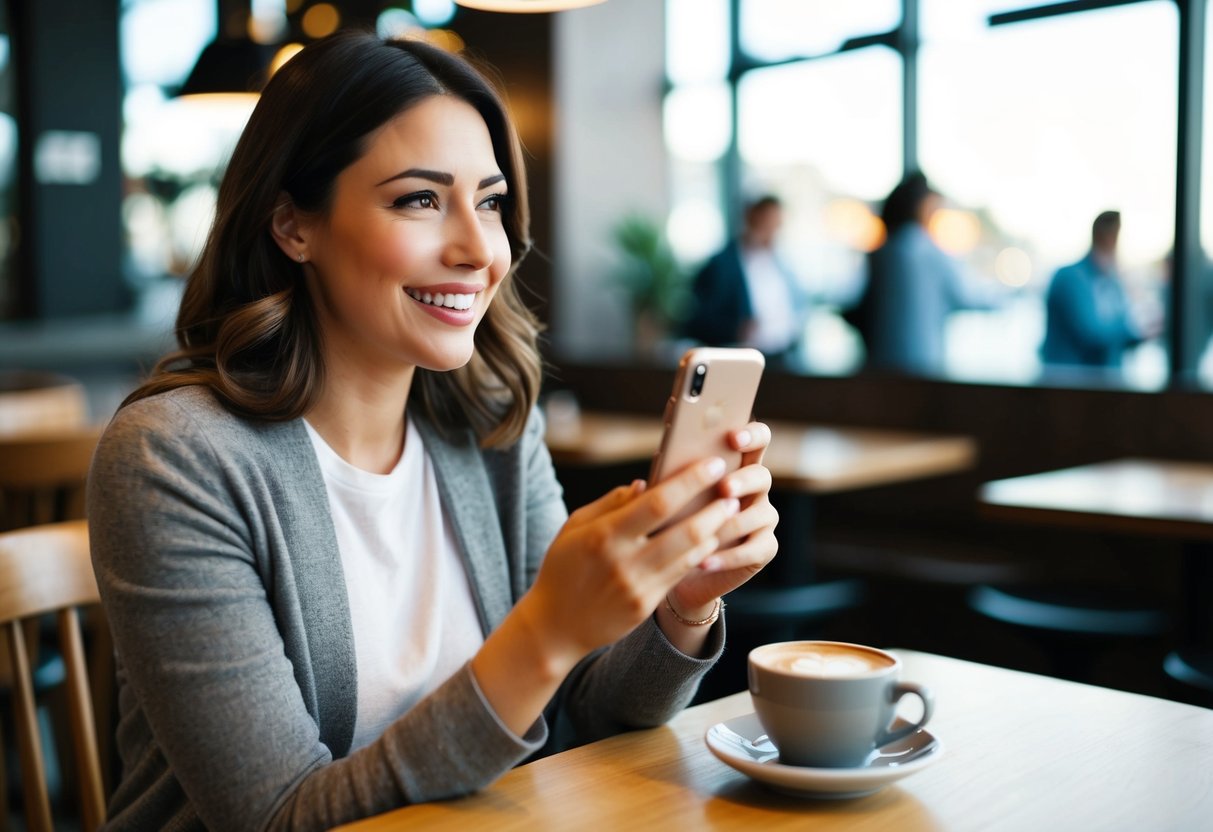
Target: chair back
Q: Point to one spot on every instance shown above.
(43, 570)
(42, 475)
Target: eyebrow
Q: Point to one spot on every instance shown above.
(440, 177)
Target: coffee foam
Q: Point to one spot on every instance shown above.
(823, 660)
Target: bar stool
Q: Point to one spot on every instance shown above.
(1070, 624)
(1192, 670)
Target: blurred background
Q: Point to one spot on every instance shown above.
(649, 125)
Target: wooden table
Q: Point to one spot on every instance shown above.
(1021, 752)
(814, 459)
(603, 439)
(819, 459)
(1147, 497)
(1135, 496)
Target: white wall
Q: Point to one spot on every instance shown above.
(609, 160)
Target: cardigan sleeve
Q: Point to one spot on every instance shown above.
(229, 736)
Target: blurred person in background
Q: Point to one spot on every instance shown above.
(1089, 322)
(912, 286)
(746, 295)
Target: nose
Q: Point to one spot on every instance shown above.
(466, 245)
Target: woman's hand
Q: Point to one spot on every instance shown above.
(609, 567)
(747, 539)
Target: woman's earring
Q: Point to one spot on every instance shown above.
(301, 257)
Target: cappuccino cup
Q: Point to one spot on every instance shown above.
(829, 704)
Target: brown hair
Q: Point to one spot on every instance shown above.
(247, 329)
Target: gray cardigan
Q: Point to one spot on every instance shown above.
(219, 572)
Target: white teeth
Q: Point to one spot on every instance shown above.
(450, 300)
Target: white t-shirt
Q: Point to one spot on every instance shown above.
(771, 301)
(411, 606)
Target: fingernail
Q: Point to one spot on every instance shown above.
(734, 505)
(744, 438)
(711, 564)
(637, 485)
(716, 467)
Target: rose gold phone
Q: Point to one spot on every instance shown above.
(713, 394)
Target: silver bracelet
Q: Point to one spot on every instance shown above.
(711, 619)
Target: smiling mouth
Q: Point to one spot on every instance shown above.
(450, 300)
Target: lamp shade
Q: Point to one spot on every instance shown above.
(526, 5)
(229, 66)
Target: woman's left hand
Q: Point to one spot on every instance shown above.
(748, 538)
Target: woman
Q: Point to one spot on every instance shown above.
(327, 533)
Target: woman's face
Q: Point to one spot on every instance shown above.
(413, 247)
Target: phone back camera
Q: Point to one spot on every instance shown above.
(701, 372)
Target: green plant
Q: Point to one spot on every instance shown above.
(649, 273)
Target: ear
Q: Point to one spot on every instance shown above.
(289, 230)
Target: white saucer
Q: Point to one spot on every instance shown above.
(742, 744)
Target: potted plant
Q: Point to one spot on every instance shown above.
(655, 283)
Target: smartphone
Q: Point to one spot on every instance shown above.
(713, 394)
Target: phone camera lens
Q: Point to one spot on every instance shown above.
(701, 371)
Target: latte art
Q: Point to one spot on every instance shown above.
(818, 664)
(821, 660)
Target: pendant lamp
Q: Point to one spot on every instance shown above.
(230, 66)
(236, 62)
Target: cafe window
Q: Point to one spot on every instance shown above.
(825, 135)
(1204, 276)
(775, 30)
(822, 134)
(697, 123)
(1030, 118)
(9, 228)
(1030, 130)
(173, 151)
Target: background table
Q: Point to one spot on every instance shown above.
(1147, 497)
(602, 439)
(814, 459)
(806, 461)
(1021, 752)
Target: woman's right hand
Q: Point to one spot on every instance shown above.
(604, 574)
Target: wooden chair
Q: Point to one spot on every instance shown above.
(42, 480)
(42, 475)
(44, 570)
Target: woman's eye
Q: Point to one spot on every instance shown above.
(424, 199)
(496, 202)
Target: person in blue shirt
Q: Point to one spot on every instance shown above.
(913, 285)
(746, 295)
(1088, 319)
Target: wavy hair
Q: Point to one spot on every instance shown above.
(247, 328)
